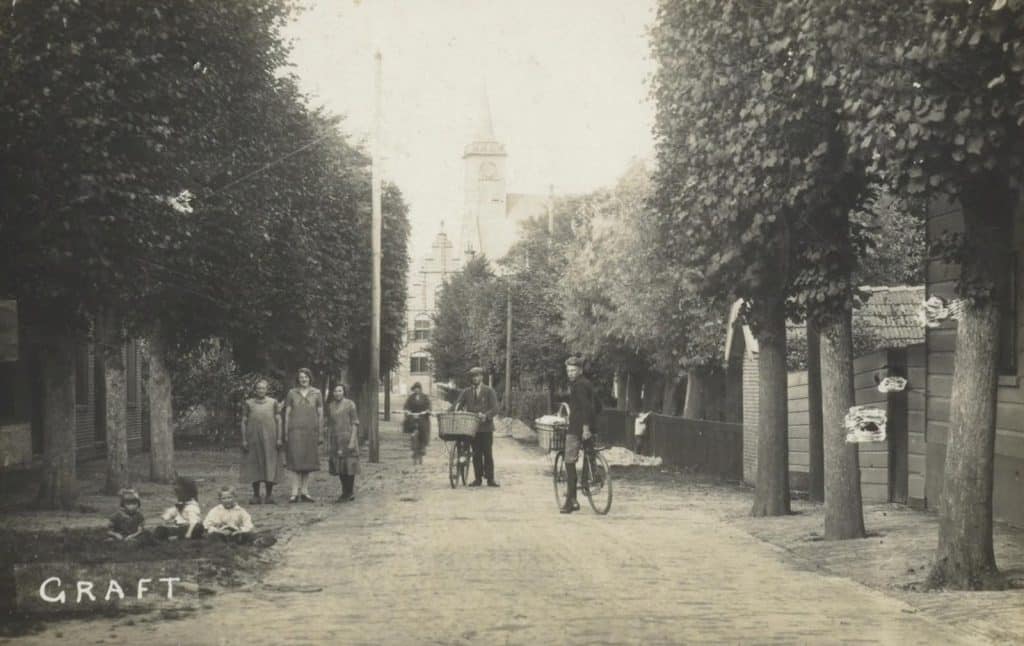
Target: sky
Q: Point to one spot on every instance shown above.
(566, 81)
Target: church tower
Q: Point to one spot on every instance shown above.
(484, 210)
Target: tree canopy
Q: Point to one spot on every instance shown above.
(162, 162)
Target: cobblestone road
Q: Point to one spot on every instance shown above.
(411, 561)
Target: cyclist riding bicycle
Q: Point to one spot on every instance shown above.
(582, 417)
(417, 422)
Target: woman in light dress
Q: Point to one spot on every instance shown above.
(303, 431)
(261, 444)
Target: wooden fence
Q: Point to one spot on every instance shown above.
(708, 446)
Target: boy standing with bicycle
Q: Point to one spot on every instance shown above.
(582, 416)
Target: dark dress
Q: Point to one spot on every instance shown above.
(342, 422)
(262, 462)
(301, 452)
(419, 426)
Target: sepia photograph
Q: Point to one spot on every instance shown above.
(458, 322)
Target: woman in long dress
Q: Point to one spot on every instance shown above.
(343, 441)
(261, 443)
(303, 429)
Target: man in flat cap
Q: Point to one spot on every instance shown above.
(582, 416)
(482, 400)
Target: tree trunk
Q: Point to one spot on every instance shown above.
(771, 492)
(634, 391)
(654, 391)
(844, 517)
(58, 488)
(965, 557)
(670, 398)
(815, 446)
(116, 380)
(161, 418)
(696, 394)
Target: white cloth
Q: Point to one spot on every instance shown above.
(219, 519)
(190, 514)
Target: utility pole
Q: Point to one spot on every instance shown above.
(375, 176)
(508, 354)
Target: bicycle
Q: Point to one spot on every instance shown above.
(460, 456)
(458, 427)
(595, 479)
(413, 425)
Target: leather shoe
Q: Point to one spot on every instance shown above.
(475, 483)
(492, 483)
(568, 508)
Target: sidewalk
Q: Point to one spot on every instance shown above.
(895, 558)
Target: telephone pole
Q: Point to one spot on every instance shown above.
(375, 176)
(508, 353)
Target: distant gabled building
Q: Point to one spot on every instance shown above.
(424, 285)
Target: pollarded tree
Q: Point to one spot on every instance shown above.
(724, 187)
(756, 187)
(937, 91)
(94, 136)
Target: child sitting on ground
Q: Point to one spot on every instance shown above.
(228, 521)
(128, 523)
(184, 519)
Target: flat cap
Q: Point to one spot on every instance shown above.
(476, 370)
(574, 361)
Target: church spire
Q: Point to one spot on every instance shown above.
(485, 128)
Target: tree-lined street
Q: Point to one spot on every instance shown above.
(413, 561)
(781, 241)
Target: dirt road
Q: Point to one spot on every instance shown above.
(411, 561)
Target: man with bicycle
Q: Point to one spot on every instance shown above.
(481, 399)
(582, 415)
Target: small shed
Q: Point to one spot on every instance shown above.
(890, 340)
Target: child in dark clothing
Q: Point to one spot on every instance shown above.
(128, 523)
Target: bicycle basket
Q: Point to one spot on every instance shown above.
(551, 429)
(453, 425)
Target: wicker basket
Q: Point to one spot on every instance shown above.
(551, 439)
(453, 425)
(551, 431)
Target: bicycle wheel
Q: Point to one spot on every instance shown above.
(465, 458)
(560, 478)
(597, 482)
(453, 466)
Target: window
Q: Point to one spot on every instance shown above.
(421, 328)
(1008, 323)
(419, 363)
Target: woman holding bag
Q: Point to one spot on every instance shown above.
(343, 441)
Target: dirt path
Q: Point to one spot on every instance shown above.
(412, 561)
